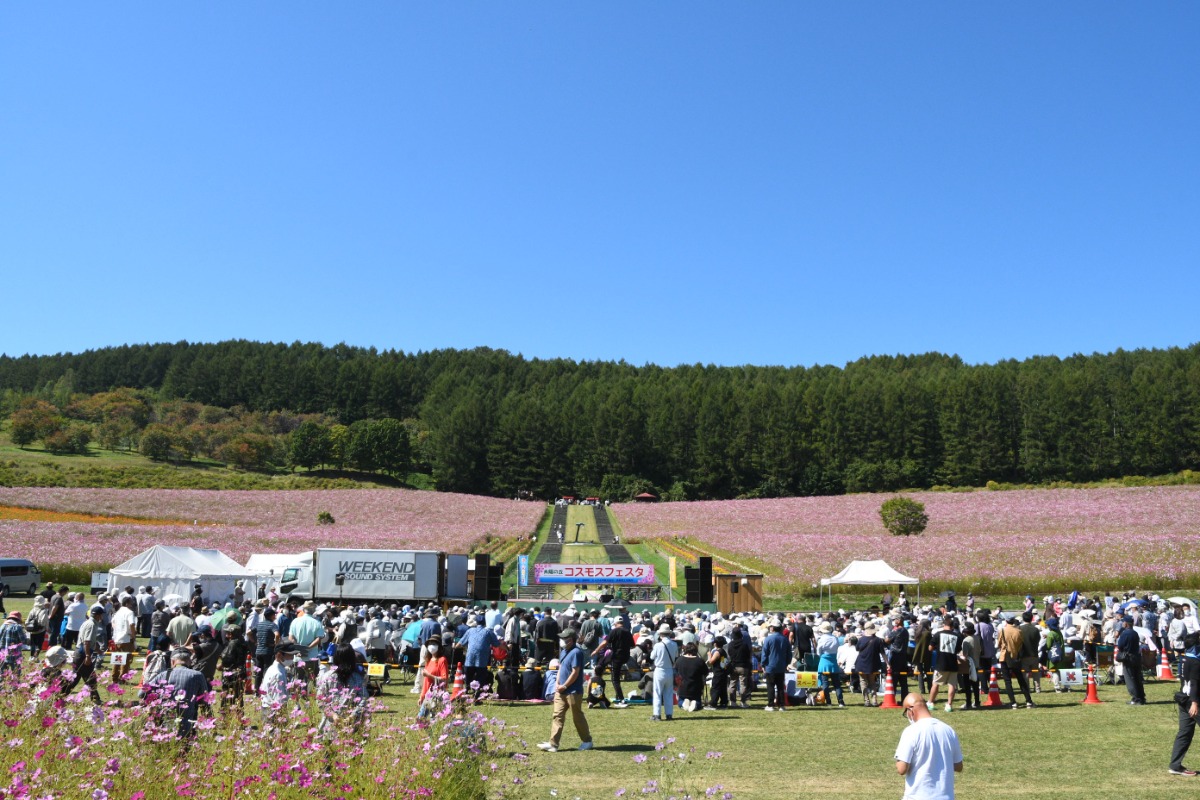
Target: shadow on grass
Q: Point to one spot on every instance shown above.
(625, 748)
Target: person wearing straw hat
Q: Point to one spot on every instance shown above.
(664, 655)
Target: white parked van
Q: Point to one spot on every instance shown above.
(21, 575)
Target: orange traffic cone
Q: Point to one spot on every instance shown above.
(993, 698)
(45, 643)
(889, 692)
(460, 684)
(1092, 698)
(1164, 668)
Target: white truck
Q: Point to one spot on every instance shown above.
(357, 576)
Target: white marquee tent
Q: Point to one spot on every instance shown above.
(869, 573)
(175, 570)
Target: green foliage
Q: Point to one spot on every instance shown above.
(903, 516)
(324, 518)
(486, 421)
(34, 420)
(620, 488)
(249, 451)
(309, 445)
(157, 442)
(72, 439)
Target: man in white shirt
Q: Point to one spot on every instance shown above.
(124, 634)
(928, 754)
(275, 684)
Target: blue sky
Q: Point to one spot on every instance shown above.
(767, 183)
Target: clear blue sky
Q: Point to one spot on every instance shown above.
(768, 183)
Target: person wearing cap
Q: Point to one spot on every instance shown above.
(181, 627)
(124, 634)
(568, 695)
(868, 664)
(1128, 651)
(1188, 702)
(76, 615)
(664, 655)
(12, 643)
(1032, 636)
(186, 687)
(618, 644)
(435, 671)
(274, 687)
(306, 631)
(776, 653)
(90, 653)
(266, 637)
(58, 612)
(35, 623)
(145, 609)
(233, 667)
(896, 640)
(928, 754)
(1009, 648)
(52, 666)
(827, 666)
(478, 643)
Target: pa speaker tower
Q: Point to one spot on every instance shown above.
(479, 584)
(691, 580)
(495, 575)
(705, 578)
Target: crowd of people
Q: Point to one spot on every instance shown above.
(688, 660)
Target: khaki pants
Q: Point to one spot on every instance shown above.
(118, 671)
(561, 703)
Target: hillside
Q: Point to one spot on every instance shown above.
(489, 422)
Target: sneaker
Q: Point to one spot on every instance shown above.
(710, 708)
(621, 704)
(1014, 705)
(965, 707)
(655, 719)
(841, 705)
(1184, 771)
(929, 705)
(1031, 705)
(548, 747)
(948, 708)
(586, 746)
(768, 708)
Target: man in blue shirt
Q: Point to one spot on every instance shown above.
(479, 642)
(776, 653)
(1129, 651)
(568, 694)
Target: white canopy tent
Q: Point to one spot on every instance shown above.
(176, 570)
(869, 573)
(270, 566)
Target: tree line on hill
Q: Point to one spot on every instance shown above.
(489, 422)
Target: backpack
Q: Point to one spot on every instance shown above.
(1055, 648)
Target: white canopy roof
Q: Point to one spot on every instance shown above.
(176, 570)
(869, 573)
(272, 565)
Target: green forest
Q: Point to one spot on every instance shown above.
(489, 422)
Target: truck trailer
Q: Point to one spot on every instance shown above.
(365, 576)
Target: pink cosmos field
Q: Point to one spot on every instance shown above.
(240, 523)
(1095, 538)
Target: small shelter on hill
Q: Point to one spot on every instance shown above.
(869, 573)
(176, 570)
(645, 497)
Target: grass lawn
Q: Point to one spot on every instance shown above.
(1062, 749)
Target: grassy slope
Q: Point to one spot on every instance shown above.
(105, 468)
